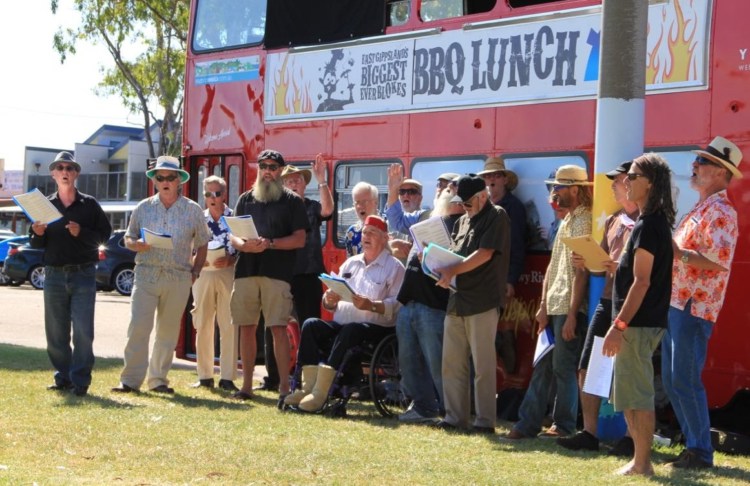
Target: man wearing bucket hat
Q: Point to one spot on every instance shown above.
(163, 277)
(307, 289)
(403, 206)
(482, 237)
(704, 244)
(563, 307)
(265, 268)
(70, 254)
(501, 182)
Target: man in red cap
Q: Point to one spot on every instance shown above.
(369, 314)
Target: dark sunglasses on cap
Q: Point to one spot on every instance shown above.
(411, 192)
(169, 178)
(271, 167)
(66, 168)
(213, 193)
(701, 161)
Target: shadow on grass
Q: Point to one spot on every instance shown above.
(22, 358)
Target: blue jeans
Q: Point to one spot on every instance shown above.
(683, 354)
(560, 365)
(69, 298)
(419, 329)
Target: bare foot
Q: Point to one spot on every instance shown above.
(630, 469)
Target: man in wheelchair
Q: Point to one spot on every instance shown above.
(368, 315)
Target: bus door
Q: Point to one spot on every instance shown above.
(227, 166)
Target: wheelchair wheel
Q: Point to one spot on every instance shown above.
(385, 379)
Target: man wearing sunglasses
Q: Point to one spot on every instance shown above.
(163, 276)
(265, 267)
(482, 237)
(704, 244)
(211, 294)
(70, 254)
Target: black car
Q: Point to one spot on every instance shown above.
(24, 263)
(115, 267)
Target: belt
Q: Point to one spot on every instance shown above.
(72, 268)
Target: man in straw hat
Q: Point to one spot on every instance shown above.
(704, 244)
(163, 276)
(70, 254)
(501, 182)
(563, 307)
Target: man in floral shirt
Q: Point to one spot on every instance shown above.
(704, 244)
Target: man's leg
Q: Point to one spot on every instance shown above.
(248, 350)
(204, 313)
(455, 370)
(82, 302)
(482, 329)
(565, 358)
(641, 424)
(227, 332)
(281, 352)
(57, 325)
(169, 312)
(143, 304)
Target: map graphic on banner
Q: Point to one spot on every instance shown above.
(549, 59)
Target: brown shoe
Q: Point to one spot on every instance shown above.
(514, 434)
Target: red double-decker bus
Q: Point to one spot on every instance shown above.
(441, 85)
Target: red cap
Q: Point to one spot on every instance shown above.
(377, 222)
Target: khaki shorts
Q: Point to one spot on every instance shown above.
(633, 387)
(250, 295)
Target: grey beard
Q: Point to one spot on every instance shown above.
(270, 191)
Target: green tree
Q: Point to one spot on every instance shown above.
(146, 40)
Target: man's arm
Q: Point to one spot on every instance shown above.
(695, 259)
(326, 199)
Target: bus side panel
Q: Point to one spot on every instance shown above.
(469, 131)
(301, 140)
(667, 120)
(378, 136)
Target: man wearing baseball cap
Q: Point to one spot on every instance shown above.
(704, 244)
(482, 237)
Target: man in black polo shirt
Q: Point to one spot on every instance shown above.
(265, 267)
(482, 237)
(71, 250)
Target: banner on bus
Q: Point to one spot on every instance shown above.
(528, 61)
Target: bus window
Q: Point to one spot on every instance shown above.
(685, 197)
(446, 9)
(227, 24)
(233, 185)
(534, 194)
(398, 11)
(202, 174)
(526, 3)
(427, 171)
(347, 175)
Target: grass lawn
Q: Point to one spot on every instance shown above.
(202, 437)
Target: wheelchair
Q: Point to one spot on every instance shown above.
(369, 371)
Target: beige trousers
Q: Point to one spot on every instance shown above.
(212, 292)
(470, 336)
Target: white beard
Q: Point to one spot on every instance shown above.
(267, 191)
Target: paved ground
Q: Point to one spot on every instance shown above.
(22, 323)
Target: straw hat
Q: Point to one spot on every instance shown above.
(290, 169)
(167, 162)
(723, 152)
(570, 175)
(412, 182)
(497, 164)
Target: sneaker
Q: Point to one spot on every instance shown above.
(623, 448)
(580, 441)
(690, 460)
(411, 416)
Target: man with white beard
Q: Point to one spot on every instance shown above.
(264, 269)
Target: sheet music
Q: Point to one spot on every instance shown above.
(338, 285)
(599, 373)
(215, 251)
(241, 226)
(591, 251)
(545, 342)
(436, 257)
(431, 230)
(37, 207)
(157, 240)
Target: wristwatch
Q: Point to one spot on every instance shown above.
(685, 256)
(620, 325)
(373, 307)
(270, 243)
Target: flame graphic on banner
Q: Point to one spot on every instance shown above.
(290, 95)
(671, 56)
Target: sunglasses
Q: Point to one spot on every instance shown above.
(701, 161)
(559, 187)
(633, 176)
(213, 193)
(66, 168)
(271, 167)
(469, 202)
(170, 178)
(411, 192)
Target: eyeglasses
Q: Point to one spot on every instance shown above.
(469, 202)
(169, 178)
(411, 192)
(271, 167)
(559, 187)
(701, 161)
(213, 193)
(634, 175)
(66, 168)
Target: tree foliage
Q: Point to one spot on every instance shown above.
(146, 40)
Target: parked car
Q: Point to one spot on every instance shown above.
(6, 233)
(25, 263)
(115, 267)
(4, 247)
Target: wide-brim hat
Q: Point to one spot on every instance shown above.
(67, 158)
(167, 162)
(448, 176)
(497, 164)
(469, 185)
(290, 169)
(570, 175)
(723, 152)
(620, 169)
(412, 182)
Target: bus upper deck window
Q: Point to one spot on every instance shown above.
(225, 24)
(526, 3)
(446, 9)
(398, 11)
